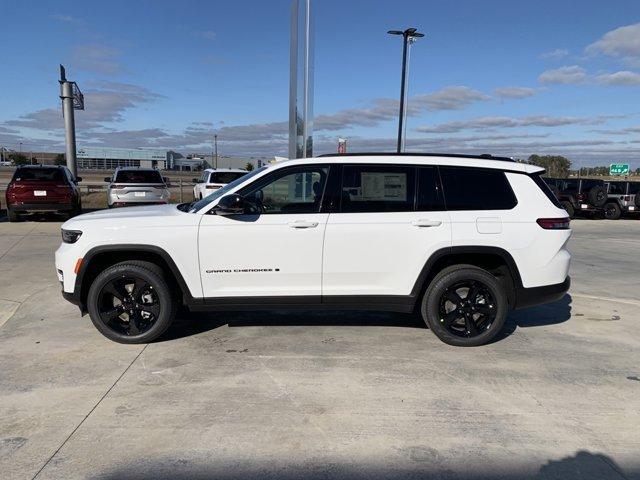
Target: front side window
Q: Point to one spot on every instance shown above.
(476, 189)
(296, 190)
(195, 206)
(617, 188)
(373, 188)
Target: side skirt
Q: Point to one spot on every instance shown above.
(387, 303)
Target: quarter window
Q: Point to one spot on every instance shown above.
(476, 189)
(369, 188)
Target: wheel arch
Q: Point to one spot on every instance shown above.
(99, 258)
(493, 259)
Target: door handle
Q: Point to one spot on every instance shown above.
(303, 224)
(425, 222)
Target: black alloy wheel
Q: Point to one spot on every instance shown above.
(465, 305)
(131, 302)
(128, 305)
(467, 309)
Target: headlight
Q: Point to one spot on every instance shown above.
(70, 236)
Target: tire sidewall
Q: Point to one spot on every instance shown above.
(166, 301)
(431, 304)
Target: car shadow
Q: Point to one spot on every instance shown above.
(43, 217)
(188, 323)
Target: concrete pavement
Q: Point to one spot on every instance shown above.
(325, 395)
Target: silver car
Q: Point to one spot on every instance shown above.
(137, 186)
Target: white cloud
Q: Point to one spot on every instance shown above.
(623, 42)
(206, 34)
(624, 78)
(450, 98)
(65, 18)
(97, 58)
(564, 75)
(556, 54)
(515, 92)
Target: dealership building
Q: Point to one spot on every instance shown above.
(102, 158)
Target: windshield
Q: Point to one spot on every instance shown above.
(138, 176)
(225, 177)
(194, 207)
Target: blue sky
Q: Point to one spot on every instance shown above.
(498, 77)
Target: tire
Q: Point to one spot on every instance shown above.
(148, 282)
(13, 216)
(569, 208)
(597, 195)
(612, 211)
(637, 199)
(466, 329)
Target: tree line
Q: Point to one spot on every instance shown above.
(558, 166)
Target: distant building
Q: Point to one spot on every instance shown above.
(105, 158)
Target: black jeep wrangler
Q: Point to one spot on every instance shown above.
(579, 195)
(622, 197)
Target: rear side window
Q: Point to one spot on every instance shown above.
(543, 184)
(617, 188)
(476, 189)
(39, 174)
(634, 188)
(377, 188)
(143, 176)
(225, 177)
(430, 196)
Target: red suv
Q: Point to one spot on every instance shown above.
(37, 188)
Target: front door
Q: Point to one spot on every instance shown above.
(275, 248)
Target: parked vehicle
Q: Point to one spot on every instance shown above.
(6, 163)
(39, 188)
(137, 186)
(622, 197)
(213, 179)
(579, 195)
(460, 239)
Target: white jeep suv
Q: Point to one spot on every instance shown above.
(212, 179)
(459, 239)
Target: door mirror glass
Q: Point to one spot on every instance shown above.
(107, 179)
(78, 179)
(232, 204)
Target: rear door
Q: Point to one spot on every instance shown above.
(389, 222)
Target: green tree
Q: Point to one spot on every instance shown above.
(59, 160)
(556, 166)
(248, 167)
(19, 159)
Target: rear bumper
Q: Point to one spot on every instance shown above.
(41, 207)
(529, 297)
(126, 203)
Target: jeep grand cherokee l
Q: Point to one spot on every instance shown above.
(460, 239)
(38, 188)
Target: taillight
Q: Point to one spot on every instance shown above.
(554, 223)
(581, 196)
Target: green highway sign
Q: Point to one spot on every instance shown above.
(619, 169)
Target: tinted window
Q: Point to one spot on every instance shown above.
(588, 184)
(291, 191)
(570, 185)
(429, 191)
(135, 176)
(377, 189)
(476, 189)
(40, 174)
(225, 177)
(634, 187)
(617, 188)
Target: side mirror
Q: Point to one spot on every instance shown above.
(78, 179)
(107, 179)
(232, 204)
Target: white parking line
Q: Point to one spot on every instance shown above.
(607, 299)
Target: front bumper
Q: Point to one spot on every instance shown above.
(529, 297)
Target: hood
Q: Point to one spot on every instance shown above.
(128, 215)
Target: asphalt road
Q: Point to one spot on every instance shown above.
(325, 395)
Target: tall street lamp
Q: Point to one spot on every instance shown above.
(408, 36)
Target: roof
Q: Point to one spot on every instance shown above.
(418, 154)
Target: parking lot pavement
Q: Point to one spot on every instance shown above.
(326, 395)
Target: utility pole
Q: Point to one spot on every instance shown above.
(409, 36)
(215, 146)
(72, 99)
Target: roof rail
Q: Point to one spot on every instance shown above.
(418, 154)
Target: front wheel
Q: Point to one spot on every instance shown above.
(131, 302)
(612, 211)
(465, 306)
(12, 216)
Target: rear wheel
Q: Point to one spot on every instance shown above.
(465, 306)
(131, 302)
(597, 195)
(612, 211)
(12, 216)
(568, 208)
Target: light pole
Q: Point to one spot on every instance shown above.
(408, 36)
(215, 146)
(72, 99)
